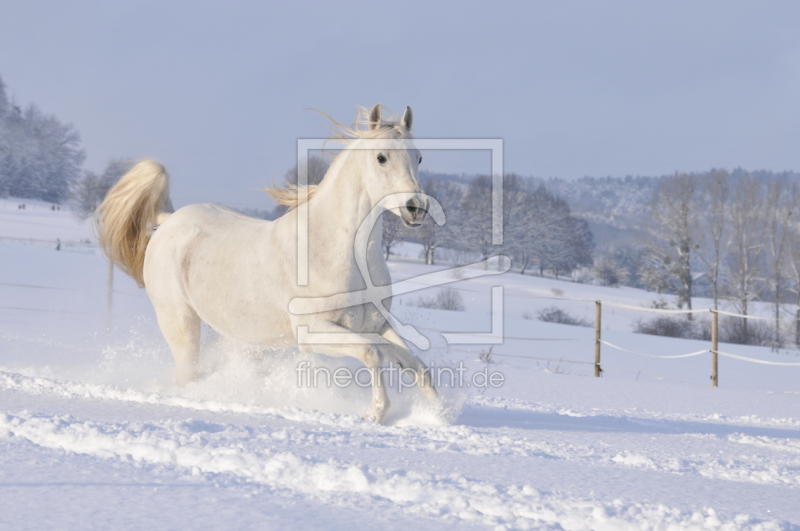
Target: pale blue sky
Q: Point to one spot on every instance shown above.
(217, 91)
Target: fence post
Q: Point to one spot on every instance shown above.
(714, 342)
(109, 293)
(597, 328)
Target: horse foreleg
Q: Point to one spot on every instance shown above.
(397, 352)
(181, 328)
(349, 343)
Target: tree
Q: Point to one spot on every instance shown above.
(88, 192)
(430, 235)
(474, 219)
(794, 261)
(746, 244)
(715, 193)
(580, 245)
(778, 219)
(518, 215)
(40, 157)
(609, 272)
(392, 232)
(4, 104)
(674, 211)
(539, 227)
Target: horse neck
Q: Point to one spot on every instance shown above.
(341, 201)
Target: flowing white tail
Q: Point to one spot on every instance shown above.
(131, 209)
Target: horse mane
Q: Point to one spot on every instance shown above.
(292, 195)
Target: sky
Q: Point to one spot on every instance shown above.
(220, 92)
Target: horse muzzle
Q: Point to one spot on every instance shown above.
(414, 211)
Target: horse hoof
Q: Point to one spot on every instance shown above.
(371, 417)
(374, 416)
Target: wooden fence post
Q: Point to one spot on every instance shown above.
(597, 328)
(714, 345)
(109, 293)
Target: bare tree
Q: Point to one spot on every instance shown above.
(539, 227)
(778, 219)
(474, 218)
(393, 232)
(519, 230)
(88, 192)
(674, 211)
(794, 262)
(746, 244)
(431, 235)
(714, 219)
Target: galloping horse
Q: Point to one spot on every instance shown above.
(238, 274)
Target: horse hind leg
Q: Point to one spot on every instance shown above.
(180, 326)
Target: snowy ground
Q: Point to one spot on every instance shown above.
(93, 434)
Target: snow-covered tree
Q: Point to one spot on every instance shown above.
(675, 232)
(746, 244)
(40, 157)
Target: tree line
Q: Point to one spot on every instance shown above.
(539, 230)
(734, 238)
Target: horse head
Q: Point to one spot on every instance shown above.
(389, 165)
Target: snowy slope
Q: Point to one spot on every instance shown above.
(94, 435)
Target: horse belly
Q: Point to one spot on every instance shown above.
(243, 312)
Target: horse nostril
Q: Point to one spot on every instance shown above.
(412, 207)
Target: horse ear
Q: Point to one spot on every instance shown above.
(375, 116)
(407, 118)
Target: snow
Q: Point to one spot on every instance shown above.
(94, 434)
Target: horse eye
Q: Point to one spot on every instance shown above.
(381, 158)
(420, 160)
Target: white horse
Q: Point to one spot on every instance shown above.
(238, 274)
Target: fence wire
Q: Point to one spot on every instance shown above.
(755, 360)
(653, 355)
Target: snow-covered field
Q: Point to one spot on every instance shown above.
(94, 434)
